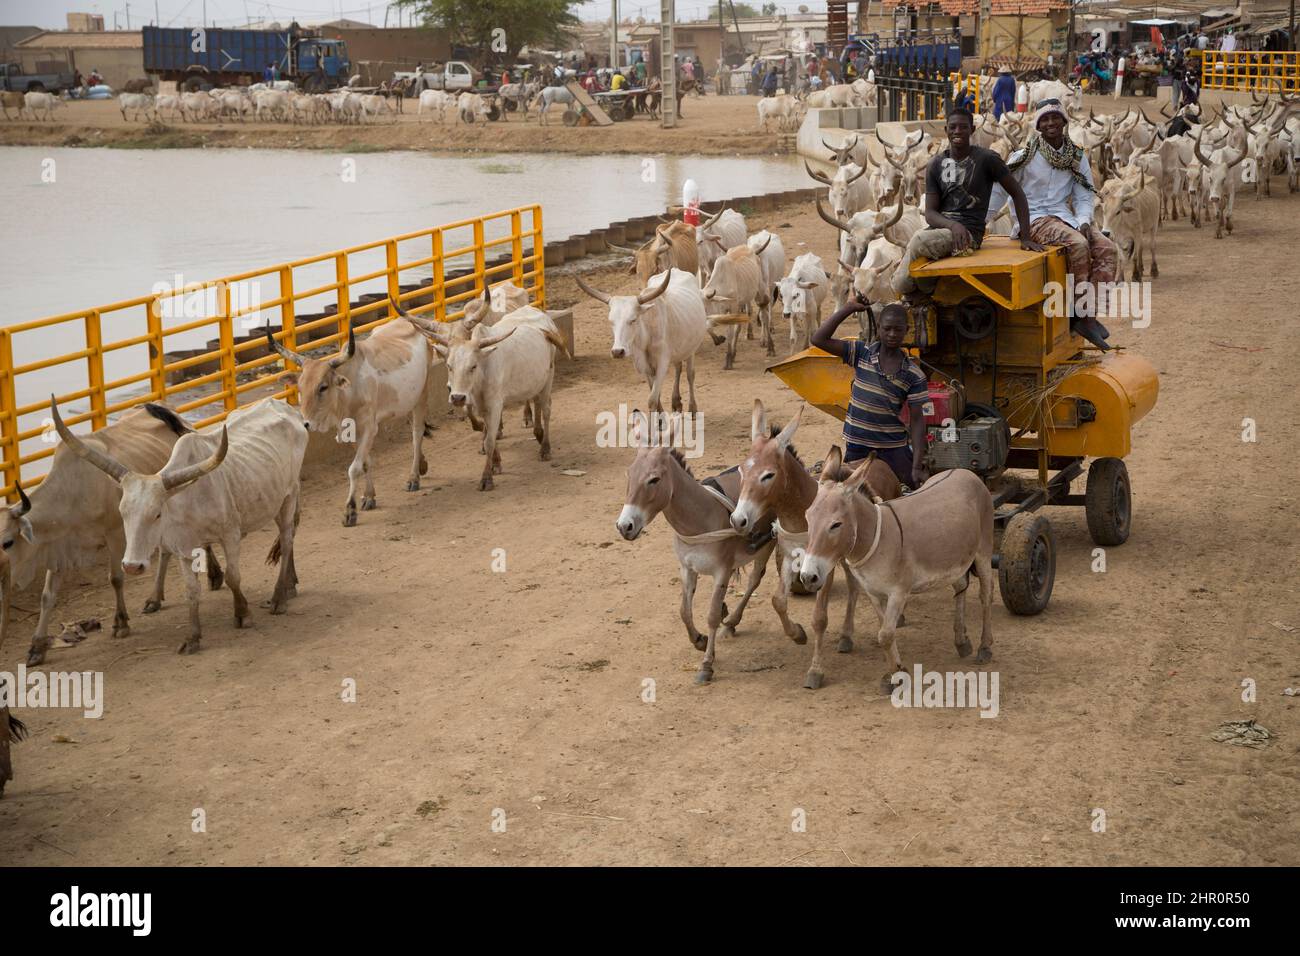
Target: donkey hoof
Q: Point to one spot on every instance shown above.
(964, 648)
(726, 631)
(350, 517)
(122, 630)
(700, 642)
(189, 647)
(367, 504)
(984, 656)
(152, 607)
(413, 484)
(704, 676)
(800, 635)
(845, 646)
(814, 680)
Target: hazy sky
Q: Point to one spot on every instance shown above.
(49, 14)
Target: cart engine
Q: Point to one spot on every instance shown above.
(977, 444)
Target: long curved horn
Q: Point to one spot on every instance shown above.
(845, 266)
(837, 223)
(881, 140)
(907, 141)
(853, 179)
(628, 250)
(1143, 111)
(645, 296)
(714, 218)
(349, 350)
(1163, 108)
(24, 503)
(100, 459)
(429, 329)
(496, 339)
(183, 476)
(761, 249)
(1239, 158)
(820, 177)
(281, 350)
(898, 214)
(593, 292)
(1200, 155)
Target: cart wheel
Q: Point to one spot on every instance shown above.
(1027, 567)
(494, 113)
(1109, 501)
(570, 117)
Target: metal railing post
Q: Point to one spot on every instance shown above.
(342, 298)
(517, 247)
(158, 358)
(287, 321)
(480, 259)
(439, 278)
(226, 333)
(95, 371)
(394, 283)
(8, 415)
(539, 259)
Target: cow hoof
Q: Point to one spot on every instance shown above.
(984, 656)
(367, 504)
(887, 684)
(35, 657)
(845, 646)
(279, 607)
(152, 607)
(350, 518)
(800, 635)
(121, 630)
(964, 648)
(545, 453)
(413, 484)
(189, 647)
(485, 484)
(814, 680)
(704, 676)
(699, 642)
(240, 620)
(726, 631)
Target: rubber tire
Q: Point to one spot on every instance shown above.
(570, 117)
(494, 114)
(1109, 502)
(1026, 534)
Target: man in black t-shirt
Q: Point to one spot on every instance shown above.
(958, 183)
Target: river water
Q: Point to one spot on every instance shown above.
(87, 227)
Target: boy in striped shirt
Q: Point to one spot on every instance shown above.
(884, 378)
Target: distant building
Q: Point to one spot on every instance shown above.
(9, 38)
(85, 23)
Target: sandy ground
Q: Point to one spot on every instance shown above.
(711, 126)
(484, 695)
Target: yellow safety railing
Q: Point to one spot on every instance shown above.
(233, 374)
(1260, 70)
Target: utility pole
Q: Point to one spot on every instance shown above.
(128, 16)
(668, 63)
(613, 34)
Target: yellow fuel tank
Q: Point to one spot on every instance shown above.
(1122, 387)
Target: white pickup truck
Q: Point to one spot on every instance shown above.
(454, 76)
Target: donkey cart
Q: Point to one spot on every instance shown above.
(1017, 398)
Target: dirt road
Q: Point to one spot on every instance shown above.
(518, 695)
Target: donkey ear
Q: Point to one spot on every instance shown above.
(787, 434)
(638, 430)
(758, 424)
(831, 465)
(856, 480)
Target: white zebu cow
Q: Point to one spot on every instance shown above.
(141, 104)
(167, 103)
(722, 231)
(38, 102)
(1130, 216)
(770, 251)
(547, 97)
(736, 284)
(1071, 97)
(196, 106)
(385, 376)
(71, 518)
(376, 106)
(860, 230)
(802, 293)
(492, 368)
(1219, 184)
(275, 104)
(871, 278)
(435, 102)
(849, 192)
(661, 327)
(215, 487)
(470, 106)
(782, 110)
(284, 86)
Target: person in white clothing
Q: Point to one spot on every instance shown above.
(1057, 182)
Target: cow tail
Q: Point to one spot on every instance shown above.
(17, 729)
(273, 556)
(558, 341)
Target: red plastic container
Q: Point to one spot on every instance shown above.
(942, 402)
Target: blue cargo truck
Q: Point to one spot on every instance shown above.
(196, 57)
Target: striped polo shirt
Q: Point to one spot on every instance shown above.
(877, 399)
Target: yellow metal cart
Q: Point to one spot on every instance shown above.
(1032, 397)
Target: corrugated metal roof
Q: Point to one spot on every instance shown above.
(1001, 8)
(68, 39)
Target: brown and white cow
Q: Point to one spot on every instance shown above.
(352, 394)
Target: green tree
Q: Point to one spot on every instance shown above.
(743, 11)
(532, 23)
(769, 9)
